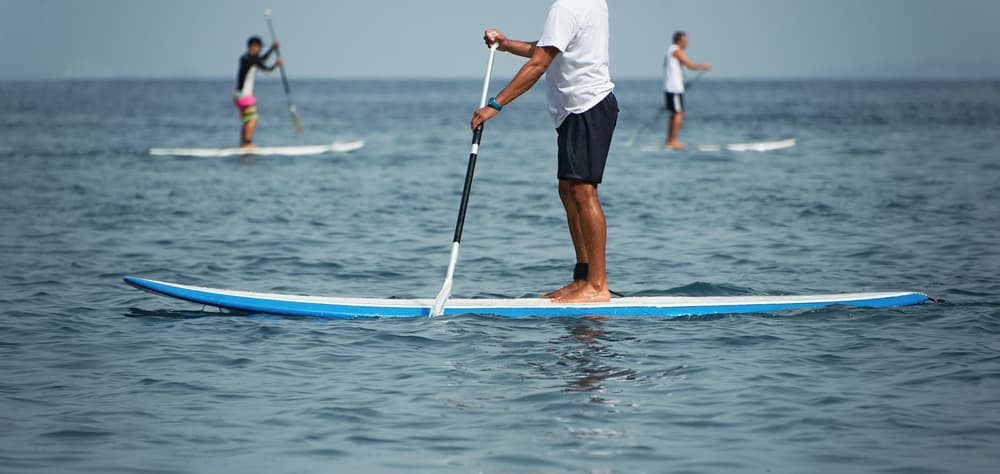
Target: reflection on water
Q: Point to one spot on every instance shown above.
(588, 364)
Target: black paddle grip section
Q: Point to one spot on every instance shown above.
(477, 136)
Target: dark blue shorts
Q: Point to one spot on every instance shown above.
(675, 102)
(584, 141)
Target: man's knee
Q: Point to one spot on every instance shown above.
(579, 191)
(565, 195)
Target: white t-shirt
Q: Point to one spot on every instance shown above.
(578, 77)
(673, 77)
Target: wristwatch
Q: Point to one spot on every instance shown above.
(493, 103)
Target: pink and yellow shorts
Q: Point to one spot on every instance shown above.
(247, 104)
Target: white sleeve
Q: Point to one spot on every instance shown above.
(560, 27)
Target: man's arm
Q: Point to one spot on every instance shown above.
(273, 48)
(529, 74)
(520, 48)
(271, 68)
(274, 66)
(679, 54)
(278, 62)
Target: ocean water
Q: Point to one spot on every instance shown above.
(893, 185)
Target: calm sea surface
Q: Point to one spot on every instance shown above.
(892, 186)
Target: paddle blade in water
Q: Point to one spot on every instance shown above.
(296, 121)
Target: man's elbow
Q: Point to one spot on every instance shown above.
(537, 68)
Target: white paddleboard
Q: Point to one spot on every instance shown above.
(661, 306)
(336, 147)
(738, 147)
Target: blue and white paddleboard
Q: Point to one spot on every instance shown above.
(336, 147)
(663, 306)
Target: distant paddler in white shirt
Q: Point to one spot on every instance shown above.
(572, 53)
(673, 86)
(243, 95)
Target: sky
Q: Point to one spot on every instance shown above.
(754, 39)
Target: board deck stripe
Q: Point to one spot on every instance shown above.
(661, 306)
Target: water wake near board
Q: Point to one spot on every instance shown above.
(336, 147)
(660, 306)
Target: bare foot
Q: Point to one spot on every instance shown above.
(572, 286)
(584, 294)
(675, 146)
(248, 146)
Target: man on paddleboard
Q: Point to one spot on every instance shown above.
(673, 86)
(573, 50)
(243, 95)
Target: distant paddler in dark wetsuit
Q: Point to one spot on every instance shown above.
(243, 96)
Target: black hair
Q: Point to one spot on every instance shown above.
(678, 35)
(254, 40)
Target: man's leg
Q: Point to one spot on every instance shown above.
(593, 235)
(246, 137)
(575, 234)
(676, 119)
(249, 116)
(584, 141)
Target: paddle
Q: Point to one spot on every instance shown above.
(687, 85)
(296, 121)
(477, 135)
(697, 75)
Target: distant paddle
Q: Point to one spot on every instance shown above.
(477, 135)
(697, 76)
(687, 85)
(296, 121)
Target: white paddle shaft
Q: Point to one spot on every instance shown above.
(442, 297)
